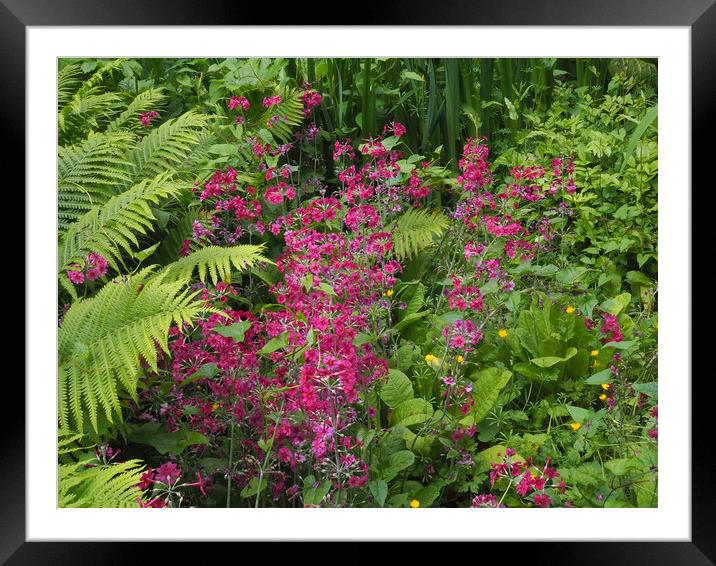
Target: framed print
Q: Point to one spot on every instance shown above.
(359, 283)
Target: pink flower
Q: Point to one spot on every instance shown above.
(168, 473)
(77, 277)
(542, 500)
(146, 118)
(147, 479)
(486, 500)
(270, 101)
(311, 99)
(99, 266)
(236, 101)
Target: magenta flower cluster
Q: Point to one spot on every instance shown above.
(95, 267)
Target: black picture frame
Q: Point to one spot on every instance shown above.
(699, 15)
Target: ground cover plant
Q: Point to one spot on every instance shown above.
(357, 283)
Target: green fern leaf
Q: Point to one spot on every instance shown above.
(112, 229)
(103, 341)
(216, 261)
(167, 146)
(150, 99)
(89, 174)
(114, 485)
(415, 230)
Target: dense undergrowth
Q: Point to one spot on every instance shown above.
(348, 283)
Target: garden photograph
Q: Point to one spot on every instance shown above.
(357, 282)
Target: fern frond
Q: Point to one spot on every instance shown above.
(113, 485)
(89, 174)
(165, 147)
(89, 112)
(92, 84)
(89, 107)
(415, 229)
(216, 261)
(103, 341)
(68, 80)
(68, 442)
(112, 229)
(149, 99)
(291, 111)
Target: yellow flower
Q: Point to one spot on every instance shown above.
(460, 359)
(605, 386)
(595, 352)
(569, 309)
(502, 333)
(603, 397)
(214, 406)
(389, 293)
(575, 426)
(415, 503)
(430, 358)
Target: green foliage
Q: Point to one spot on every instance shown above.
(167, 148)
(538, 380)
(416, 230)
(217, 262)
(89, 173)
(104, 340)
(112, 229)
(113, 485)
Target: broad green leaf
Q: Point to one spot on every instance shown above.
(165, 442)
(651, 389)
(616, 304)
(621, 466)
(488, 384)
(207, 370)
(484, 458)
(549, 361)
(578, 413)
(379, 490)
(253, 487)
(625, 345)
(362, 338)
(412, 411)
(314, 496)
(327, 289)
(409, 319)
(280, 341)
(570, 275)
(604, 376)
(397, 389)
(235, 331)
(396, 463)
(411, 75)
(427, 495)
